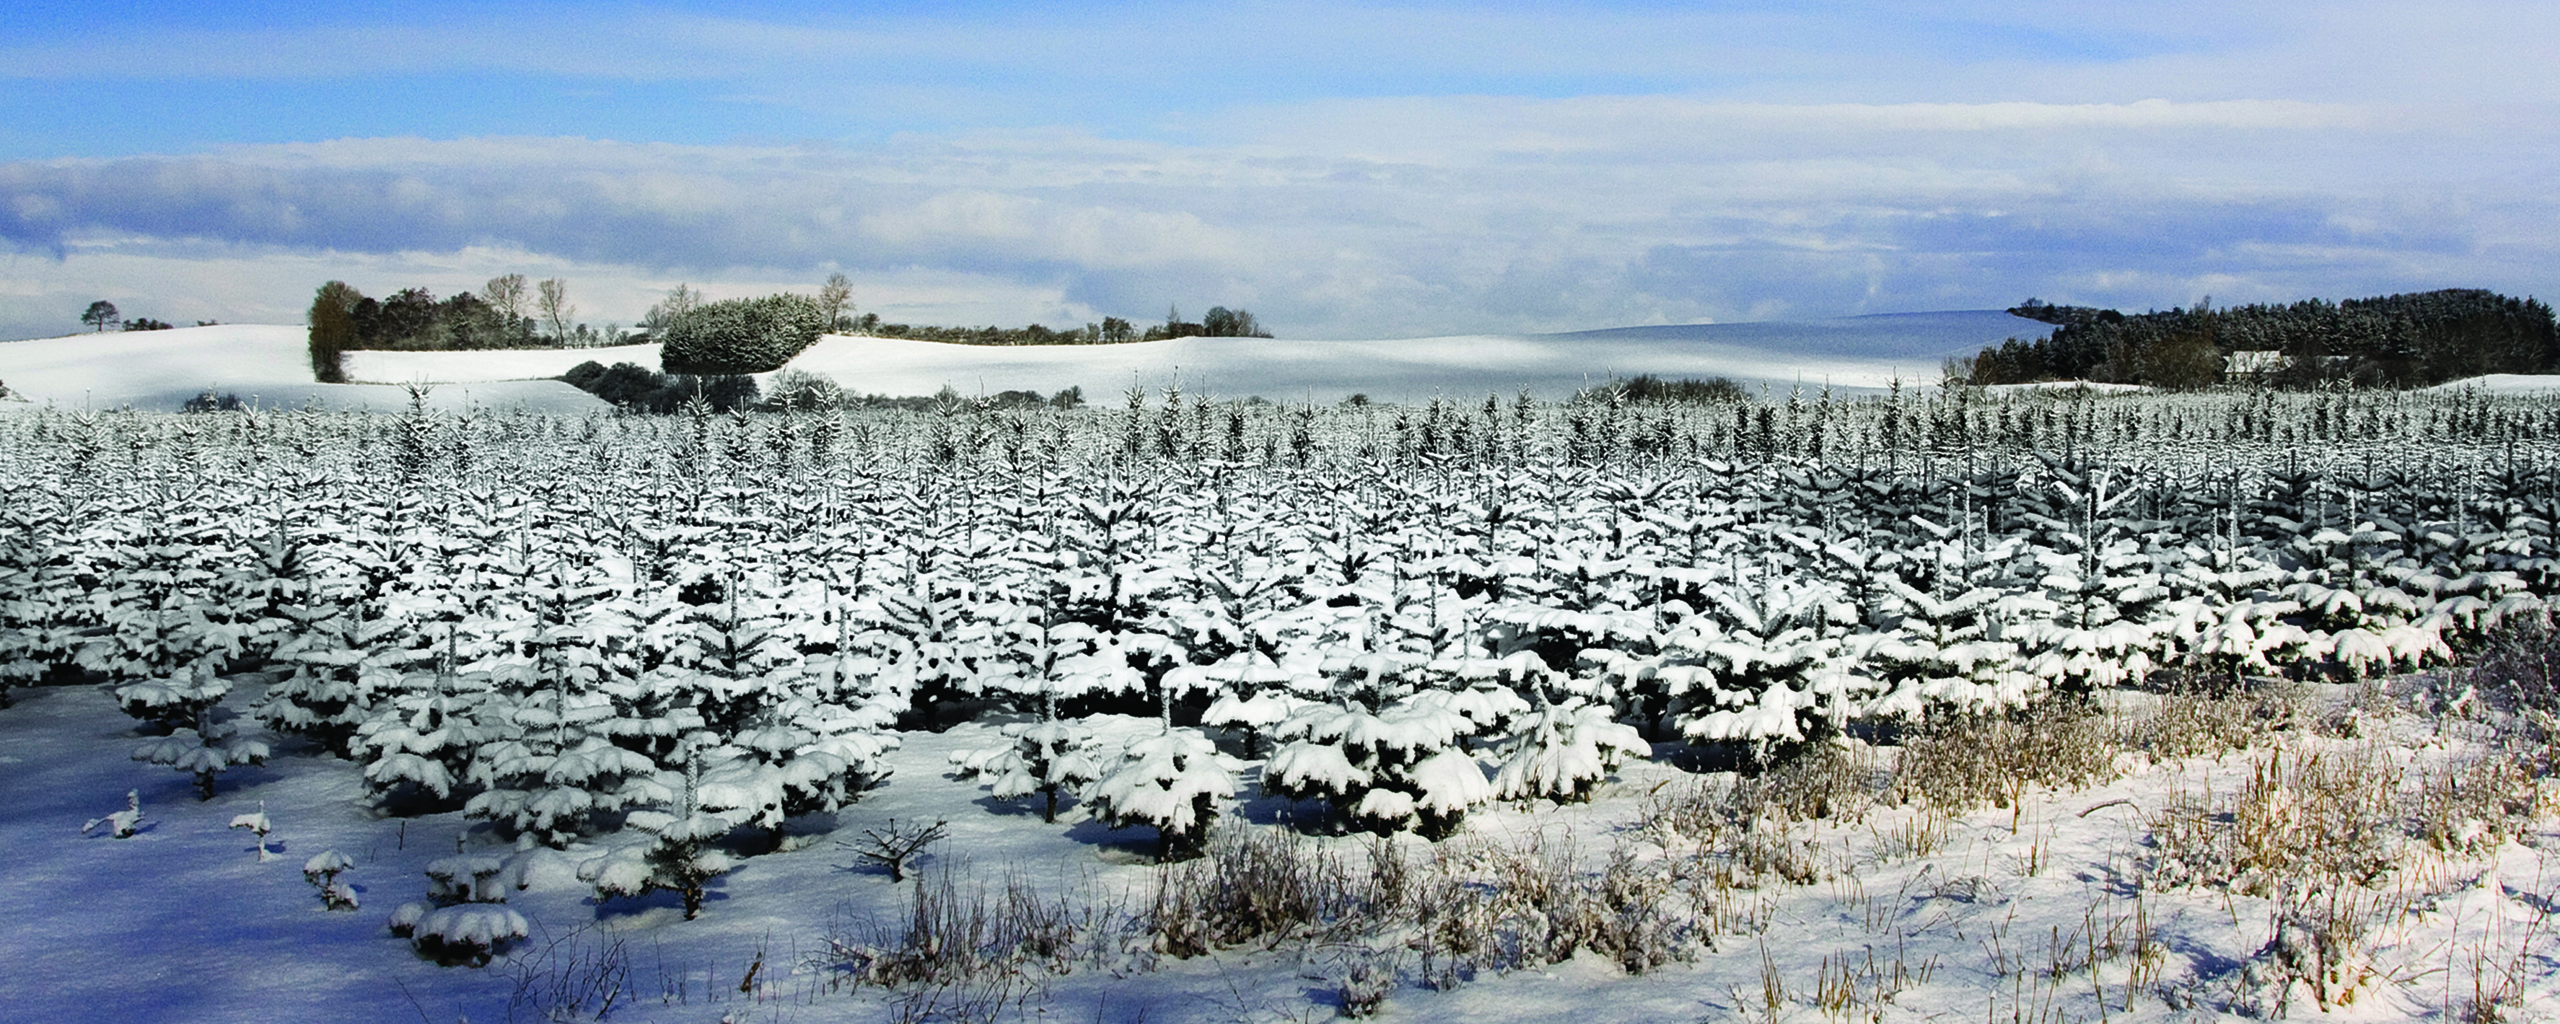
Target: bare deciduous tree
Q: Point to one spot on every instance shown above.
(837, 299)
(892, 845)
(554, 303)
(506, 295)
(679, 301)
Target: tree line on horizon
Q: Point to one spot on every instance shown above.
(508, 312)
(1218, 322)
(699, 337)
(2408, 340)
(103, 315)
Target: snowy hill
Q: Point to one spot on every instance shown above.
(1852, 354)
(2505, 384)
(161, 369)
(270, 365)
(1886, 336)
(466, 367)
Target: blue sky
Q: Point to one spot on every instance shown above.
(1344, 170)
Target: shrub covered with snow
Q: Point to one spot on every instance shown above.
(120, 824)
(1170, 782)
(322, 871)
(740, 335)
(1564, 750)
(464, 918)
(462, 933)
(1397, 769)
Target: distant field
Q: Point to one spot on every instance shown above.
(267, 364)
(1852, 355)
(2032, 705)
(160, 369)
(513, 364)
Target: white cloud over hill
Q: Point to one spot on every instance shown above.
(1347, 218)
(1344, 170)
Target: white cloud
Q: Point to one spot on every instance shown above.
(41, 296)
(1032, 230)
(1341, 218)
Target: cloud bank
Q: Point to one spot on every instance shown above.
(1344, 171)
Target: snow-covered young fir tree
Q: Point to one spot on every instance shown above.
(418, 745)
(679, 856)
(554, 774)
(330, 639)
(1048, 756)
(464, 918)
(215, 743)
(1563, 750)
(322, 871)
(810, 757)
(1400, 768)
(1171, 782)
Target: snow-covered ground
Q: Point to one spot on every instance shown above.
(2099, 387)
(501, 365)
(1913, 917)
(266, 364)
(1851, 354)
(2505, 384)
(2148, 894)
(1854, 354)
(161, 369)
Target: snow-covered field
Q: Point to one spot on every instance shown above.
(490, 365)
(158, 370)
(2505, 384)
(1851, 355)
(1911, 914)
(268, 365)
(2098, 387)
(578, 656)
